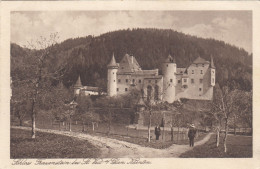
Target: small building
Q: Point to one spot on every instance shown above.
(86, 90)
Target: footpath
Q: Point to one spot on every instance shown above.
(112, 148)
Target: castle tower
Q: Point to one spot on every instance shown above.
(112, 77)
(212, 73)
(169, 79)
(77, 86)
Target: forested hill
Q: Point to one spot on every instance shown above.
(89, 56)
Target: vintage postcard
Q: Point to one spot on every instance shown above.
(166, 84)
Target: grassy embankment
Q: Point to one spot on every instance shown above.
(47, 145)
(237, 147)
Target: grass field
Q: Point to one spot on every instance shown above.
(237, 147)
(120, 132)
(49, 146)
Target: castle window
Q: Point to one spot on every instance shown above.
(192, 80)
(114, 80)
(181, 72)
(201, 71)
(133, 80)
(140, 81)
(156, 81)
(202, 65)
(196, 65)
(126, 80)
(119, 80)
(200, 89)
(185, 80)
(201, 80)
(149, 81)
(167, 65)
(117, 89)
(122, 67)
(126, 89)
(171, 80)
(179, 81)
(213, 80)
(192, 71)
(113, 72)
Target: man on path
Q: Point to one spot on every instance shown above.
(157, 132)
(191, 134)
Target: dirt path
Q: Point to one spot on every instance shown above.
(112, 148)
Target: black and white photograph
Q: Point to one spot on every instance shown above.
(129, 86)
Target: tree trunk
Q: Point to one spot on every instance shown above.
(70, 124)
(109, 127)
(20, 121)
(178, 132)
(171, 133)
(33, 125)
(149, 128)
(93, 126)
(225, 137)
(235, 127)
(217, 137)
(83, 126)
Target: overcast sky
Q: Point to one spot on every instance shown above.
(234, 27)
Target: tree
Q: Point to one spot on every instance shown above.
(36, 73)
(84, 111)
(225, 105)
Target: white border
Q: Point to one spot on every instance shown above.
(7, 7)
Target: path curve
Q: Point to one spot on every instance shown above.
(112, 148)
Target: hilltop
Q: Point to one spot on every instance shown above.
(89, 56)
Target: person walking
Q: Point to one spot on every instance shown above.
(157, 132)
(191, 134)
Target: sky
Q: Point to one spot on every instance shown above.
(233, 27)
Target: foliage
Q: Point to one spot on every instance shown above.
(89, 56)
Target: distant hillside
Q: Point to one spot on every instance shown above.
(89, 56)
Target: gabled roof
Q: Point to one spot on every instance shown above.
(78, 83)
(129, 64)
(200, 60)
(112, 63)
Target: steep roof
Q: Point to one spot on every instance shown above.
(78, 83)
(129, 64)
(200, 60)
(112, 63)
(170, 59)
(212, 63)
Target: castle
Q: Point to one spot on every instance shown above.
(194, 82)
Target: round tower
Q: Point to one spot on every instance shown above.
(112, 77)
(169, 79)
(212, 73)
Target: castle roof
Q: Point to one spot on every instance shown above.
(200, 60)
(129, 64)
(112, 63)
(78, 83)
(170, 59)
(212, 63)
